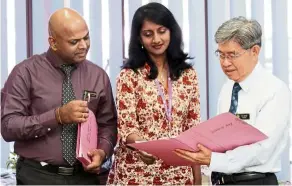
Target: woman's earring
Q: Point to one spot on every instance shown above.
(142, 47)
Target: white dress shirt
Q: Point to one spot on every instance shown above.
(267, 100)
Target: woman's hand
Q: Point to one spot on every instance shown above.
(147, 158)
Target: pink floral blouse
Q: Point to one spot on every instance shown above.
(141, 111)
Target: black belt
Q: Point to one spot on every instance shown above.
(245, 176)
(62, 170)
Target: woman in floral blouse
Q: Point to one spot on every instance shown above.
(157, 97)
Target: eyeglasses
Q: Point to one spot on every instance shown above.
(230, 56)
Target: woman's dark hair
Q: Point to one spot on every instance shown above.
(158, 14)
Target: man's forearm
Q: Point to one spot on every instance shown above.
(107, 137)
(16, 127)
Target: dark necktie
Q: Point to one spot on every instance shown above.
(234, 98)
(232, 109)
(69, 132)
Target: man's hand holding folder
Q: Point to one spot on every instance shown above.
(96, 156)
(201, 157)
(219, 134)
(87, 140)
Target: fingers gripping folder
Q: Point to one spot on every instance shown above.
(87, 134)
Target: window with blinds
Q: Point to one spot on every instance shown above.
(109, 23)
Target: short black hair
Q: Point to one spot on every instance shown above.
(158, 14)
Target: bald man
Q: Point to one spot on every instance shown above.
(42, 103)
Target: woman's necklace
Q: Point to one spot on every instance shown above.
(161, 78)
(162, 74)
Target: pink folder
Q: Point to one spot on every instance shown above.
(86, 139)
(220, 134)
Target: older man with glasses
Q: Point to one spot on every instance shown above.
(254, 95)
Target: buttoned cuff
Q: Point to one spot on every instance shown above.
(48, 120)
(219, 162)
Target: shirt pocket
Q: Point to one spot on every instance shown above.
(93, 104)
(247, 113)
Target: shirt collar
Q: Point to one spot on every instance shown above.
(55, 60)
(251, 79)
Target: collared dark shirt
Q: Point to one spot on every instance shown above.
(32, 93)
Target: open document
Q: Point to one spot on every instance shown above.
(220, 134)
